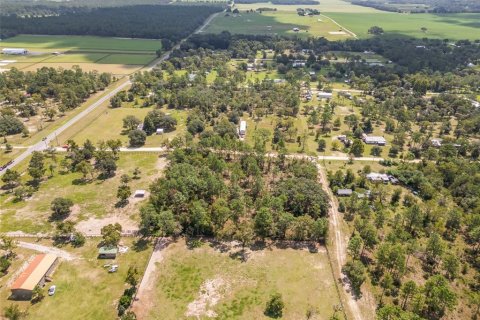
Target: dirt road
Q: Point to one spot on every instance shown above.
(143, 303)
(44, 249)
(339, 244)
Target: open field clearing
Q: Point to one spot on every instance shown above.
(449, 26)
(95, 199)
(205, 281)
(93, 126)
(279, 22)
(85, 290)
(49, 43)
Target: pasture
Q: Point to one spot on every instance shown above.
(85, 290)
(93, 199)
(211, 280)
(277, 23)
(448, 26)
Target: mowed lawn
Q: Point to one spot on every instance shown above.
(276, 22)
(85, 290)
(241, 289)
(95, 199)
(448, 26)
(44, 43)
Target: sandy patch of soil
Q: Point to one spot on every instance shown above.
(93, 226)
(209, 296)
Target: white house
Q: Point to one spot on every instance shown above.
(298, 64)
(378, 177)
(379, 141)
(324, 95)
(243, 128)
(14, 51)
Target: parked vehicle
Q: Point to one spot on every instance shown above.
(51, 290)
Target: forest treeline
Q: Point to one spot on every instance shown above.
(282, 2)
(143, 21)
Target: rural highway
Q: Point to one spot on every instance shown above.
(109, 93)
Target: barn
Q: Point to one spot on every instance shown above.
(34, 275)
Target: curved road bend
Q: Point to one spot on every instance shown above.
(42, 145)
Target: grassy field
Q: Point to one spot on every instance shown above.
(448, 26)
(93, 126)
(114, 55)
(96, 199)
(357, 19)
(87, 43)
(278, 22)
(304, 279)
(85, 290)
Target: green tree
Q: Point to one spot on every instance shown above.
(36, 167)
(322, 144)
(123, 193)
(137, 138)
(438, 296)
(263, 223)
(132, 275)
(355, 271)
(13, 312)
(355, 245)
(11, 178)
(357, 148)
(131, 123)
(274, 307)
(111, 234)
(37, 294)
(61, 208)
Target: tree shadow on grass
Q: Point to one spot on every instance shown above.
(141, 244)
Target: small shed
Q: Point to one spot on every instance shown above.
(107, 252)
(344, 192)
(160, 131)
(139, 193)
(324, 95)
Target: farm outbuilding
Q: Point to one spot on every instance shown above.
(344, 192)
(139, 194)
(160, 131)
(35, 274)
(106, 252)
(243, 128)
(14, 51)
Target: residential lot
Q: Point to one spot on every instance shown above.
(94, 201)
(85, 289)
(211, 281)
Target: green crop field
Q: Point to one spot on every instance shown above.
(451, 26)
(88, 43)
(277, 22)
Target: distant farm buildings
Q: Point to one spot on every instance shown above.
(17, 51)
(34, 275)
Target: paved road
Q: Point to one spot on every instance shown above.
(42, 145)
